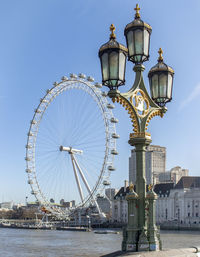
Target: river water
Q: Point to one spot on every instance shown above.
(53, 243)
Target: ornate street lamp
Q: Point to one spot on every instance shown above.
(141, 233)
(113, 61)
(161, 81)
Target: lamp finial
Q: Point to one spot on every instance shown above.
(137, 14)
(131, 187)
(112, 29)
(160, 58)
(150, 186)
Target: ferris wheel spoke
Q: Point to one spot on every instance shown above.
(91, 172)
(89, 127)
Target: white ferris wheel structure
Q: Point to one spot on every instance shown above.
(71, 145)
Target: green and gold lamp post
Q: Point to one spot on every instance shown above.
(141, 233)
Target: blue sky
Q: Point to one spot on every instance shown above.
(43, 40)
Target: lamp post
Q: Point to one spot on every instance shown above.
(141, 233)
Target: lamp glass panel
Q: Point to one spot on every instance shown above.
(146, 42)
(138, 58)
(154, 86)
(122, 59)
(114, 67)
(104, 60)
(139, 41)
(163, 85)
(114, 82)
(130, 43)
(169, 88)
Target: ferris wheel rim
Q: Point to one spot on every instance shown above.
(35, 124)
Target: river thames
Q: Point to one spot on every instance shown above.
(52, 243)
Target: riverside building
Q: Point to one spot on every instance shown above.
(179, 203)
(120, 205)
(174, 175)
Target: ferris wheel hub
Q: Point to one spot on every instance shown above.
(70, 150)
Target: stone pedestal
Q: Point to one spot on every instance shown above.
(153, 233)
(130, 234)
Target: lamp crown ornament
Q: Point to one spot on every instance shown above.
(160, 58)
(137, 9)
(150, 187)
(112, 34)
(131, 187)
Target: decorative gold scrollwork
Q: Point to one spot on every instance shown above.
(128, 106)
(153, 114)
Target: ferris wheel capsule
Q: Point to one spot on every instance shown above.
(64, 78)
(106, 183)
(81, 76)
(104, 94)
(111, 168)
(91, 79)
(73, 76)
(110, 106)
(55, 84)
(38, 111)
(98, 85)
(34, 192)
(28, 171)
(114, 135)
(114, 120)
(114, 152)
(33, 122)
(43, 100)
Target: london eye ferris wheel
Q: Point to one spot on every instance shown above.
(71, 145)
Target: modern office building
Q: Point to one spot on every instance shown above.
(155, 164)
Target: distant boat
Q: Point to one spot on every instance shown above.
(106, 232)
(74, 229)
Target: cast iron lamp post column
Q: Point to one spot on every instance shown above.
(141, 232)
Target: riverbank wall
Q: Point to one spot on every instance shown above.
(186, 252)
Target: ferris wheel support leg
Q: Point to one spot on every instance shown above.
(86, 184)
(77, 179)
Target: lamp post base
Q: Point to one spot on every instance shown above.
(129, 244)
(143, 243)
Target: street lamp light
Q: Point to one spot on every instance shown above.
(141, 233)
(137, 35)
(113, 61)
(161, 81)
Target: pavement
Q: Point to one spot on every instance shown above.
(186, 252)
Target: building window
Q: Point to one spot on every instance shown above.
(197, 215)
(188, 214)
